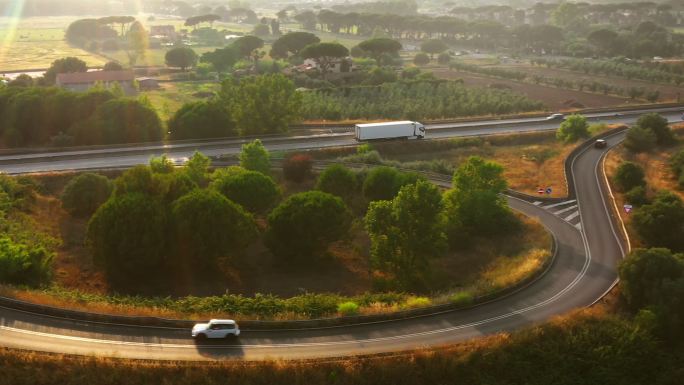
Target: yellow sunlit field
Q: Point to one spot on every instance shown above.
(34, 43)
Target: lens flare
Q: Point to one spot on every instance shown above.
(9, 21)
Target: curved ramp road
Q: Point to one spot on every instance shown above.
(584, 268)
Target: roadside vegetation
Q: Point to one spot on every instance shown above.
(306, 224)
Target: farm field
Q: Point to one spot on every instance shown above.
(34, 43)
(667, 92)
(556, 99)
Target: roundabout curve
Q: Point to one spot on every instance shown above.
(588, 248)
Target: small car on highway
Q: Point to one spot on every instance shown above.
(555, 117)
(600, 143)
(216, 328)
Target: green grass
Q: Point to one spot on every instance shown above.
(171, 96)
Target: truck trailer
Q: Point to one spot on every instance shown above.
(389, 130)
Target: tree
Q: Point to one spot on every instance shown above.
(81, 31)
(209, 226)
(128, 235)
(639, 139)
(338, 180)
(421, 59)
(112, 66)
(197, 168)
(573, 128)
(252, 190)
(444, 58)
(603, 40)
(138, 42)
(297, 167)
(379, 47)
(248, 46)
(324, 54)
(120, 121)
(658, 125)
(653, 280)
(63, 66)
(661, 223)
(85, 193)
(161, 164)
(262, 104)
(305, 224)
(384, 183)
(307, 19)
(254, 156)
(200, 120)
(182, 57)
(261, 30)
(222, 59)
(628, 176)
(22, 80)
(433, 47)
(292, 43)
(393, 227)
(474, 205)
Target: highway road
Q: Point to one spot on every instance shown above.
(133, 155)
(584, 268)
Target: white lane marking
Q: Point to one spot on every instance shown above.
(560, 204)
(565, 210)
(537, 203)
(578, 226)
(572, 216)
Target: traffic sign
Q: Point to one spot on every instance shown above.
(628, 208)
(540, 190)
(549, 190)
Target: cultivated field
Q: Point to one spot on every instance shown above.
(557, 99)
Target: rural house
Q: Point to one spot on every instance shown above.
(83, 81)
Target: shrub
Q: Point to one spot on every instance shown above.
(384, 183)
(421, 59)
(85, 193)
(304, 225)
(297, 167)
(677, 163)
(637, 196)
(573, 128)
(337, 180)
(255, 157)
(639, 139)
(251, 189)
(658, 125)
(348, 308)
(661, 223)
(461, 298)
(443, 58)
(415, 302)
(23, 264)
(628, 176)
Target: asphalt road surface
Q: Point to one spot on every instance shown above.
(584, 269)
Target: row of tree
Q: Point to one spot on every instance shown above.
(39, 116)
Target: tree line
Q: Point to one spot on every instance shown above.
(419, 99)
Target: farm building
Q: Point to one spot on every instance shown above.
(83, 81)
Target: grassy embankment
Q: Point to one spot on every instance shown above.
(658, 174)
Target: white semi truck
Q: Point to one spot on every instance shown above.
(389, 130)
